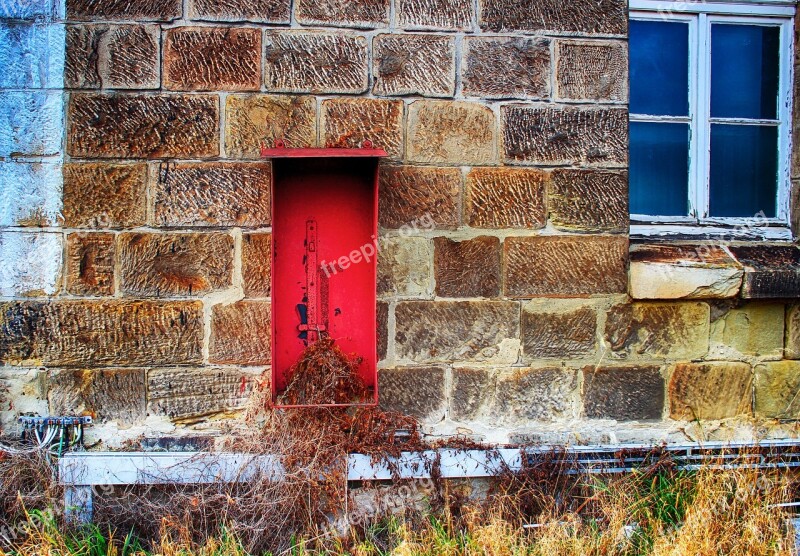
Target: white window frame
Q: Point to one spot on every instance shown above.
(700, 16)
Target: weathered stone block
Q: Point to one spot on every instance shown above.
(565, 266)
(24, 392)
(777, 384)
(547, 394)
(416, 194)
(140, 10)
(558, 330)
(623, 393)
(587, 200)
(30, 194)
(32, 55)
(104, 195)
(592, 71)
(213, 194)
(142, 126)
(506, 67)
(31, 123)
(414, 65)
(315, 62)
(404, 267)
(259, 11)
(192, 57)
(413, 391)
(240, 333)
(607, 17)
(110, 332)
(256, 264)
(105, 394)
(505, 198)
(792, 339)
(90, 264)
(382, 329)
(565, 135)
(472, 393)
(343, 13)
(31, 263)
(710, 391)
(255, 120)
(469, 268)
(469, 331)
(435, 14)
(451, 132)
(755, 329)
(25, 9)
(769, 271)
(347, 123)
(658, 330)
(175, 264)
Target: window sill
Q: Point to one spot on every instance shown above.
(656, 231)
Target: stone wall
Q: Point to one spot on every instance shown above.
(135, 280)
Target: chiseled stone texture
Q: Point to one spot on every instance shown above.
(165, 265)
(505, 198)
(109, 332)
(770, 271)
(32, 55)
(564, 266)
(411, 193)
(31, 263)
(100, 195)
(776, 385)
(347, 123)
(213, 194)
(382, 329)
(417, 391)
(90, 263)
(31, 123)
(414, 64)
(105, 394)
(140, 10)
(449, 132)
(259, 11)
(467, 268)
(240, 333)
(623, 393)
(142, 126)
(404, 267)
(565, 135)
(186, 394)
(472, 393)
(315, 62)
(710, 391)
(28, 9)
(468, 331)
(255, 120)
(605, 17)
(435, 14)
(367, 14)
(792, 340)
(754, 329)
(677, 331)
(30, 193)
(589, 201)
(683, 272)
(506, 67)
(558, 330)
(256, 264)
(592, 71)
(113, 56)
(547, 394)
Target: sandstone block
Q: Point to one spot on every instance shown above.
(792, 339)
(382, 329)
(776, 385)
(769, 271)
(140, 10)
(588, 200)
(367, 14)
(558, 330)
(623, 393)
(592, 70)
(413, 391)
(435, 14)
(754, 329)
(472, 393)
(505, 198)
(428, 197)
(547, 394)
(506, 67)
(255, 120)
(32, 55)
(31, 263)
(100, 195)
(347, 123)
(105, 394)
(414, 64)
(25, 9)
(710, 391)
(607, 17)
(404, 267)
(30, 193)
(28, 390)
(258, 11)
(451, 133)
(31, 123)
(90, 264)
(469, 268)
(256, 264)
(240, 333)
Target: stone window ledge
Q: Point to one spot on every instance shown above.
(703, 271)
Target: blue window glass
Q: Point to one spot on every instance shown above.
(744, 170)
(659, 168)
(659, 68)
(744, 71)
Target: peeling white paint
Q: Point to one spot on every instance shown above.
(31, 263)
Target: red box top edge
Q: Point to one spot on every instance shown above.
(282, 152)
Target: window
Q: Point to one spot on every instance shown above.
(710, 102)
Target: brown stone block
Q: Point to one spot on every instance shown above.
(776, 385)
(105, 394)
(558, 330)
(141, 10)
(469, 331)
(104, 195)
(710, 391)
(90, 264)
(588, 200)
(472, 393)
(505, 198)
(315, 62)
(565, 135)
(605, 17)
(347, 123)
(592, 71)
(109, 332)
(175, 264)
(143, 126)
(770, 271)
(414, 64)
(413, 391)
(382, 329)
(259, 11)
(255, 120)
(367, 14)
(435, 14)
(469, 268)
(441, 131)
(193, 393)
(256, 264)
(546, 394)
(240, 333)
(565, 266)
(506, 67)
(213, 194)
(623, 393)
(428, 196)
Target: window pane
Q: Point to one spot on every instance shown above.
(744, 170)
(659, 68)
(744, 71)
(659, 168)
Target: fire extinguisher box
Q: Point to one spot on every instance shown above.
(324, 257)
